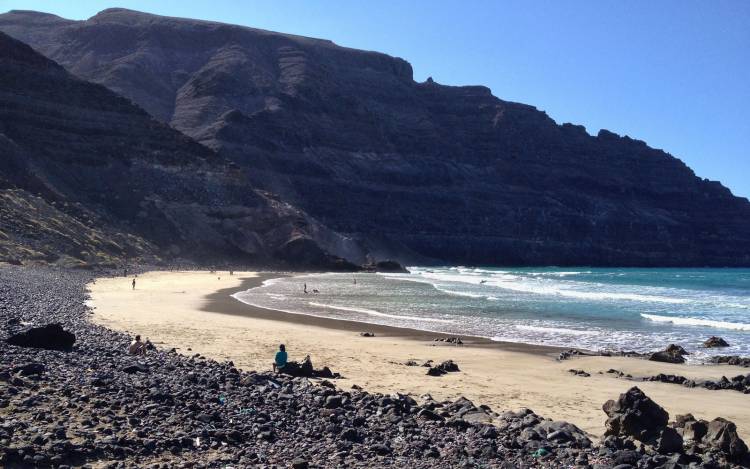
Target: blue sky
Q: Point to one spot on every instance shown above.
(673, 73)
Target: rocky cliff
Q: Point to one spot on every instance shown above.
(419, 170)
(88, 177)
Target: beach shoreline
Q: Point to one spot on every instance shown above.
(194, 312)
(223, 302)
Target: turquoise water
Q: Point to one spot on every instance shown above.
(592, 308)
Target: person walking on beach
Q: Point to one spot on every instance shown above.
(304, 288)
(279, 361)
(133, 284)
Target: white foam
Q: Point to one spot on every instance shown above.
(372, 312)
(559, 274)
(460, 293)
(697, 322)
(554, 330)
(552, 288)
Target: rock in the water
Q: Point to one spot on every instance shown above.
(50, 337)
(735, 360)
(635, 415)
(672, 354)
(715, 341)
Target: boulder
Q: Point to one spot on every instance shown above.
(635, 415)
(427, 414)
(306, 370)
(300, 463)
(449, 366)
(30, 369)
(563, 433)
(715, 342)
(333, 402)
(435, 371)
(50, 337)
(691, 429)
(476, 416)
(136, 368)
(489, 432)
(722, 435)
(695, 430)
(669, 441)
(674, 349)
(672, 354)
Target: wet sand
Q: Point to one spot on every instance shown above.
(194, 312)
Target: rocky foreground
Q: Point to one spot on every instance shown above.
(96, 405)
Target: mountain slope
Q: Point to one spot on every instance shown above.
(86, 176)
(451, 173)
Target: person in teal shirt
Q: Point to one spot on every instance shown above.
(280, 361)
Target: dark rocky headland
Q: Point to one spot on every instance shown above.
(363, 160)
(95, 404)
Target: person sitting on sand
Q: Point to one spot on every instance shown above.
(280, 361)
(137, 347)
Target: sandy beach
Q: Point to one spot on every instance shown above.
(194, 312)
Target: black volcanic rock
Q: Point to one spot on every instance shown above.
(88, 177)
(714, 341)
(672, 354)
(410, 170)
(50, 337)
(635, 415)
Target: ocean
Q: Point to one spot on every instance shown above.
(590, 308)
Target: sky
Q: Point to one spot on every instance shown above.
(674, 73)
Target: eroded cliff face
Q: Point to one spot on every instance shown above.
(419, 171)
(88, 177)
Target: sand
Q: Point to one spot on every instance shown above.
(193, 312)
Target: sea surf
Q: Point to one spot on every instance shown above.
(590, 308)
